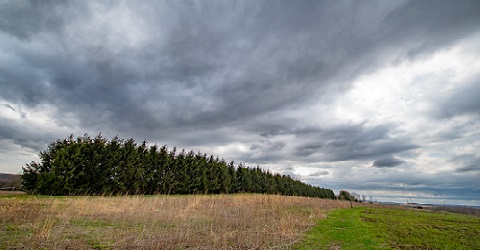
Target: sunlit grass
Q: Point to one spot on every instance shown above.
(377, 228)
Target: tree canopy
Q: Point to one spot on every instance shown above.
(97, 166)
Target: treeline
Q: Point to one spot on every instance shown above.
(9, 182)
(96, 166)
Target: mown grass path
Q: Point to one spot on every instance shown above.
(343, 229)
(376, 228)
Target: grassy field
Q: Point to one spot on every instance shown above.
(159, 222)
(377, 228)
(224, 222)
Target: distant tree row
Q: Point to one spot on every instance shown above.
(9, 182)
(95, 166)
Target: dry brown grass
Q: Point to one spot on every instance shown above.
(159, 222)
(11, 193)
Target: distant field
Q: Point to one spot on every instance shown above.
(377, 228)
(159, 222)
(11, 193)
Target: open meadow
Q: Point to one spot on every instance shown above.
(242, 221)
(159, 222)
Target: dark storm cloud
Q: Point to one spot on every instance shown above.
(424, 26)
(344, 143)
(22, 19)
(24, 138)
(217, 73)
(333, 144)
(463, 101)
(387, 162)
(244, 59)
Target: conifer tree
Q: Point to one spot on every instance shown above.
(85, 165)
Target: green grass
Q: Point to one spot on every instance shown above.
(343, 229)
(375, 228)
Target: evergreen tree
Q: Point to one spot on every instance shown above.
(85, 165)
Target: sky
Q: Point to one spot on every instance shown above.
(380, 98)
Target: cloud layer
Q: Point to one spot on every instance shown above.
(360, 96)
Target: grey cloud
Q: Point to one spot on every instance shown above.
(432, 24)
(9, 106)
(307, 150)
(325, 144)
(244, 61)
(319, 173)
(265, 151)
(469, 168)
(467, 163)
(387, 162)
(30, 17)
(19, 111)
(453, 133)
(267, 144)
(465, 100)
(28, 139)
(353, 143)
(220, 72)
